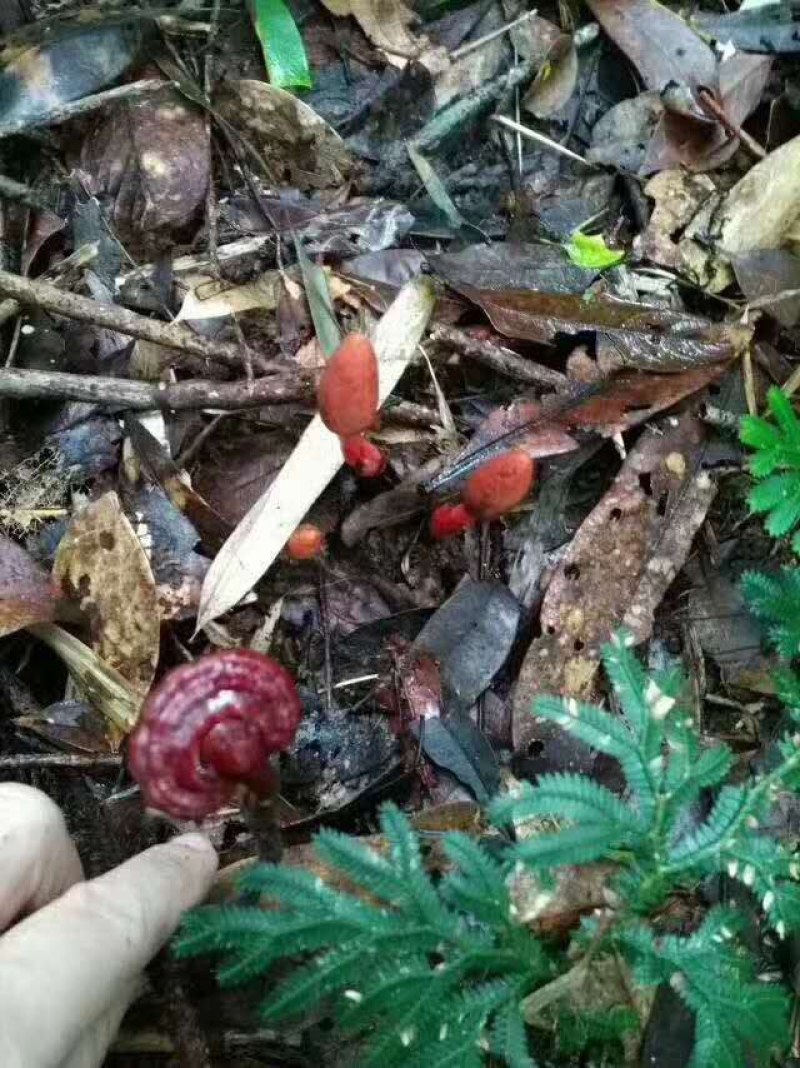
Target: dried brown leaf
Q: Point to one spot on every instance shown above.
(618, 567)
(610, 407)
(661, 46)
(26, 593)
(555, 80)
(152, 158)
(297, 146)
(101, 563)
(657, 339)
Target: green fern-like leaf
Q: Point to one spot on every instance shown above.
(776, 600)
(736, 1016)
(397, 965)
(775, 465)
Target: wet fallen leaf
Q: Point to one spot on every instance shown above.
(261, 535)
(71, 725)
(454, 743)
(658, 42)
(150, 159)
(771, 28)
(511, 265)
(37, 78)
(632, 335)
(766, 273)
(363, 225)
(297, 146)
(624, 557)
(26, 593)
(763, 208)
(470, 636)
(102, 565)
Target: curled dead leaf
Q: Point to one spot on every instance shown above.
(102, 564)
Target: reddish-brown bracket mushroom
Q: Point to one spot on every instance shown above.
(211, 725)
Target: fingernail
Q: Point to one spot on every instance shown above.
(195, 841)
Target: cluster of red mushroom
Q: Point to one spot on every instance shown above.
(490, 492)
(348, 403)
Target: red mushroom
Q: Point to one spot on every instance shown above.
(211, 725)
(347, 396)
(494, 489)
(306, 543)
(364, 456)
(500, 485)
(450, 519)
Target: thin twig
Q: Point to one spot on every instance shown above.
(500, 359)
(113, 317)
(713, 107)
(125, 393)
(77, 761)
(84, 106)
(534, 135)
(471, 46)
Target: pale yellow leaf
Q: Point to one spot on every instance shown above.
(260, 536)
(102, 686)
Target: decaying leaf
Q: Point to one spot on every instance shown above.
(151, 159)
(662, 47)
(555, 80)
(101, 563)
(102, 685)
(763, 208)
(26, 594)
(261, 535)
(557, 425)
(297, 146)
(628, 335)
(386, 23)
(618, 567)
(678, 197)
(69, 63)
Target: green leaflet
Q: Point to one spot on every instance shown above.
(284, 51)
(591, 252)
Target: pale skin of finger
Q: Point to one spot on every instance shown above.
(38, 860)
(74, 960)
(93, 1044)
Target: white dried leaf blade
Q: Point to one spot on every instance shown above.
(260, 536)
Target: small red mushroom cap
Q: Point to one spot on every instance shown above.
(209, 726)
(364, 457)
(347, 395)
(500, 485)
(450, 519)
(306, 543)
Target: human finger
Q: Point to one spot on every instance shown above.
(38, 859)
(78, 954)
(92, 1046)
